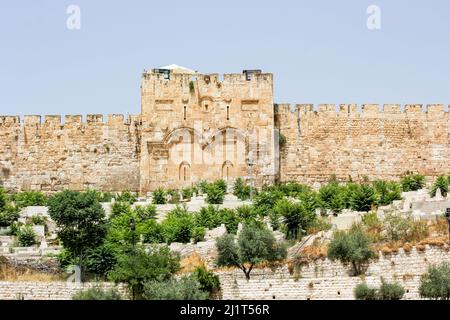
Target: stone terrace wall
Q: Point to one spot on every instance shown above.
(46, 290)
(330, 280)
(322, 279)
(52, 156)
(356, 141)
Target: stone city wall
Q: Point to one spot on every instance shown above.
(51, 156)
(351, 141)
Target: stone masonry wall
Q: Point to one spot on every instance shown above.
(47, 290)
(52, 156)
(324, 279)
(357, 141)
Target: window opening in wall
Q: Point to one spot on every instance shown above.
(184, 112)
(228, 113)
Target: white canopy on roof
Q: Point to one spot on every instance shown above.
(178, 69)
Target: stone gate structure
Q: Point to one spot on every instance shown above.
(196, 127)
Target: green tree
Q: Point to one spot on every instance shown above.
(351, 247)
(178, 226)
(101, 260)
(230, 219)
(3, 199)
(412, 182)
(208, 217)
(435, 284)
(9, 215)
(214, 194)
(387, 192)
(30, 198)
(296, 218)
(126, 196)
(442, 184)
(255, 244)
(137, 267)
(80, 220)
(330, 197)
(362, 198)
(185, 288)
(241, 190)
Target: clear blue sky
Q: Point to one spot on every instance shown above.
(319, 51)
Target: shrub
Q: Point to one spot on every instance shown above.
(255, 244)
(26, 236)
(412, 182)
(222, 185)
(97, 293)
(8, 216)
(390, 291)
(265, 201)
(101, 260)
(119, 208)
(362, 198)
(441, 183)
(30, 198)
(178, 226)
(186, 288)
(137, 267)
(372, 225)
(330, 197)
(214, 194)
(159, 196)
(187, 193)
(363, 292)
(387, 192)
(198, 234)
(209, 281)
(350, 247)
(208, 217)
(295, 217)
(126, 196)
(203, 186)
(3, 199)
(319, 224)
(174, 196)
(241, 190)
(247, 213)
(435, 284)
(38, 220)
(404, 228)
(145, 212)
(230, 219)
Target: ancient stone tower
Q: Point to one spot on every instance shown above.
(206, 126)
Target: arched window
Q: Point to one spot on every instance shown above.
(227, 170)
(185, 172)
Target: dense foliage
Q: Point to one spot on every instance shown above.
(351, 247)
(435, 284)
(412, 182)
(185, 288)
(80, 220)
(136, 267)
(387, 291)
(441, 183)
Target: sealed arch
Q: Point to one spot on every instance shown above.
(185, 172)
(227, 170)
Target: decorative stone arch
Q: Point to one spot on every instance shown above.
(227, 170)
(173, 136)
(184, 172)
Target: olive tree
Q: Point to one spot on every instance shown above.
(255, 244)
(435, 284)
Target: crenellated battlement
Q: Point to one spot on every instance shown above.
(365, 109)
(70, 120)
